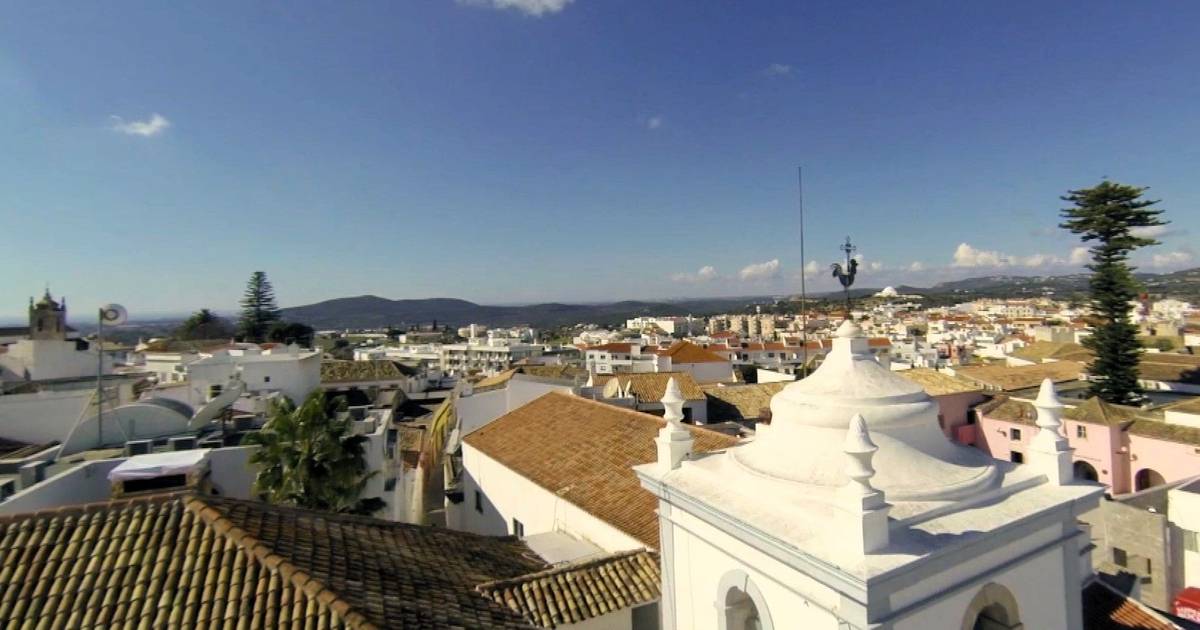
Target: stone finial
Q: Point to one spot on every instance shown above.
(591, 382)
(674, 441)
(848, 330)
(1050, 452)
(672, 401)
(864, 502)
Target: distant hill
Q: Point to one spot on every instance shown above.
(371, 311)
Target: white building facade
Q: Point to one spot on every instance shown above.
(852, 510)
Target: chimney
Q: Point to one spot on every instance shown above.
(864, 503)
(674, 441)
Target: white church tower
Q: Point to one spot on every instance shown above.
(852, 510)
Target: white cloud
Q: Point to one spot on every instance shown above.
(705, 273)
(777, 70)
(874, 265)
(812, 268)
(654, 122)
(917, 266)
(760, 271)
(1080, 256)
(967, 256)
(536, 8)
(1150, 231)
(153, 126)
(1040, 260)
(1172, 259)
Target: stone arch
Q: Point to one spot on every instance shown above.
(994, 608)
(740, 605)
(1147, 478)
(1085, 471)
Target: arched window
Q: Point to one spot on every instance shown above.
(1085, 472)
(741, 605)
(994, 608)
(1147, 478)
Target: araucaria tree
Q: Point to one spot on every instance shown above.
(307, 457)
(258, 308)
(1109, 215)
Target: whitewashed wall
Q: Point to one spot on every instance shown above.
(507, 495)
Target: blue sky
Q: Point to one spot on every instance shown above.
(525, 150)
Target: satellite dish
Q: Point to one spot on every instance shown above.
(113, 314)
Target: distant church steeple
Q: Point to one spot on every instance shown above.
(47, 318)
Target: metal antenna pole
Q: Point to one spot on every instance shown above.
(803, 271)
(99, 376)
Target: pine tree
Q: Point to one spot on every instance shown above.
(1108, 214)
(258, 308)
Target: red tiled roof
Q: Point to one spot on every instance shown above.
(688, 352)
(583, 451)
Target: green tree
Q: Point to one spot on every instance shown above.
(258, 308)
(307, 457)
(291, 332)
(204, 324)
(1108, 215)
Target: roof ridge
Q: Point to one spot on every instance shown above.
(641, 415)
(75, 509)
(574, 565)
(276, 563)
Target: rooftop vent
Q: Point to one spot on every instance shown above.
(138, 447)
(7, 489)
(185, 443)
(33, 473)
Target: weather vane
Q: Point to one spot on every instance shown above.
(846, 274)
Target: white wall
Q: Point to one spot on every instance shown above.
(771, 376)
(1184, 510)
(702, 555)
(42, 417)
(293, 375)
(507, 495)
(480, 408)
(50, 359)
(707, 372)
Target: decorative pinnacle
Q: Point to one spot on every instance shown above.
(1047, 398)
(860, 450)
(672, 401)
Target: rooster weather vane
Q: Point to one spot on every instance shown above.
(846, 274)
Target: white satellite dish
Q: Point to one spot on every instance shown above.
(113, 314)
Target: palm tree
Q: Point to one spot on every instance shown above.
(308, 458)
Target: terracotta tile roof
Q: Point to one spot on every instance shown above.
(1008, 409)
(740, 402)
(1191, 405)
(583, 451)
(938, 383)
(1170, 367)
(688, 352)
(1096, 411)
(582, 590)
(355, 371)
(1105, 608)
(191, 561)
(1039, 351)
(650, 387)
(1022, 377)
(497, 381)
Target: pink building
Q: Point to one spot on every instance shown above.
(1125, 448)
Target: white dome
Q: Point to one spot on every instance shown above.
(809, 419)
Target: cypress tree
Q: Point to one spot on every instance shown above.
(1107, 215)
(258, 308)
